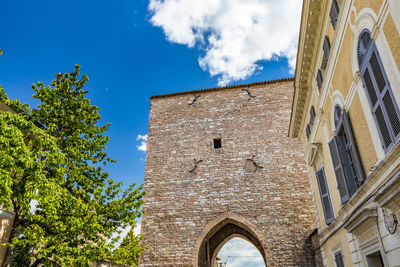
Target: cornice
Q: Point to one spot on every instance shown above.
(307, 41)
(362, 219)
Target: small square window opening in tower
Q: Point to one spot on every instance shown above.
(217, 143)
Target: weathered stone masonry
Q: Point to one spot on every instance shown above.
(188, 214)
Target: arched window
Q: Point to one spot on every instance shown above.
(382, 102)
(337, 116)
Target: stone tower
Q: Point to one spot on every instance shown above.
(219, 164)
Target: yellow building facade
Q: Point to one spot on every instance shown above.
(346, 111)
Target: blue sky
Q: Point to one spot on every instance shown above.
(133, 49)
(126, 57)
(238, 252)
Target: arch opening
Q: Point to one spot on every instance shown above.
(220, 234)
(238, 251)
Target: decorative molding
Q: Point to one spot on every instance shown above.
(390, 221)
(389, 195)
(315, 148)
(370, 242)
(362, 220)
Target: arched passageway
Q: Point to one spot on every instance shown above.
(221, 230)
(239, 252)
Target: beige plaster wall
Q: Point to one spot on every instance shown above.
(338, 240)
(342, 76)
(375, 5)
(393, 38)
(327, 114)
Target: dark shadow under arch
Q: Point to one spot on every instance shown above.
(220, 230)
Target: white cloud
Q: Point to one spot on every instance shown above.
(143, 142)
(238, 252)
(234, 34)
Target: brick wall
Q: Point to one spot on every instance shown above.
(179, 204)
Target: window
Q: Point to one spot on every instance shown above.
(337, 115)
(312, 118)
(320, 79)
(308, 131)
(326, 48)
(380, 96)
(345, 159)
(312, 115)
(325, 196)
(217, 143)
(339, 259)
(334, 13)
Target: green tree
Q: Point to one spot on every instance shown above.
(54, 156)
(123, 254)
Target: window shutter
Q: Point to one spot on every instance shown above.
(325, 197)
(338, 168)
(339, 259)
(386, 94)
(370, 88)
(319, 79)
(312, 115)
(380, 96)
(392, 113)
(355, 160)
(333, 14)
(326, 47)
